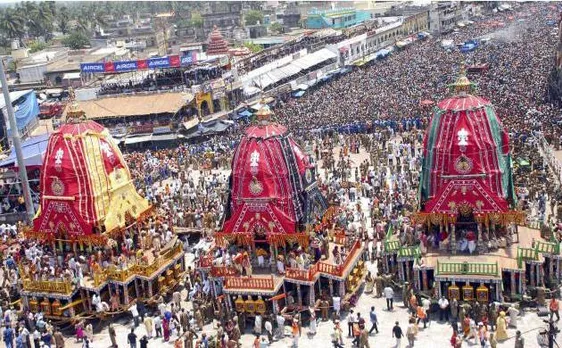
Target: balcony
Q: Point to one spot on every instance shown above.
(145, 270)
(253, 283)
(58, 287)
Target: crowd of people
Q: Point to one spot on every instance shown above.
(520, 56)
(164, 80)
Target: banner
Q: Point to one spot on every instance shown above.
(129, 65)
(188, 59)
(92, 67)
(141, 64)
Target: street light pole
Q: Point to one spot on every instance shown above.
(17, 145)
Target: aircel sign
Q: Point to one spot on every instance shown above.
(125, 66)
(132, 65)
(92, 67)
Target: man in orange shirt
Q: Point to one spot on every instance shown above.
(422, 316)
(554, 307)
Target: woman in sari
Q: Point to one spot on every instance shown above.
(166, 328)
(501, 327)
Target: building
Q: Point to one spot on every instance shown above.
(31, 68)
(164, 32)
(223, 15)
(360, 46)
(337, 18)
(65, 72)
(139, 33)
(289, 17)
(443, 16)
(416, 22)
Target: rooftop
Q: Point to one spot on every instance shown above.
(133, 105)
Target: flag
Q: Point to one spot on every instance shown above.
(389, 232)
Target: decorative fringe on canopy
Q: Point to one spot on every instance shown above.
(275, 239)
(512, 216)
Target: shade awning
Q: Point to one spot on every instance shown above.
(71, 76)
(137, 140)
(293, 68)
(33, 150)
(164, 137)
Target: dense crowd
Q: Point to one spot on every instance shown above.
(520, 55)
(164, 80)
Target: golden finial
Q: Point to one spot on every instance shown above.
(74, 114)
(462, 85)
(264, 114)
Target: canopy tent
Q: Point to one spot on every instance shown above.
(26, 108)
(293, 68)
(164, 137)
(33, 150)
(211, 127)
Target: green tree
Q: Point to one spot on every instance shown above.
(196, 22)
(12, 23)
(255, 48)
(253, 17)
(76, 40)
(276, 28)
(37, 46)
(63, 19)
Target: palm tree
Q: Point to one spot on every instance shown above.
(63, 17)
(44, 19)
(12, 24)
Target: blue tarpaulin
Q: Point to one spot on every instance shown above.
(244, 114)
(26, 108)
(298, 94)
(382, 53)
(468, 46)
(345, 70)
(33, 150)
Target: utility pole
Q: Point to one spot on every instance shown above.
(17, 145)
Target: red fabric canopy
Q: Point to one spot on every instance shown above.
(465, 193)
(75, 183)
(267, 131)
(264, 215)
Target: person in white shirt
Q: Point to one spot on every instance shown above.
(350, 322)
(337, 305)
(443, 308)
(135, 312)
(269, 330)
(158, 325)
(389, 295)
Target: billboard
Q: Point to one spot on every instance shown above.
(174, 61)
